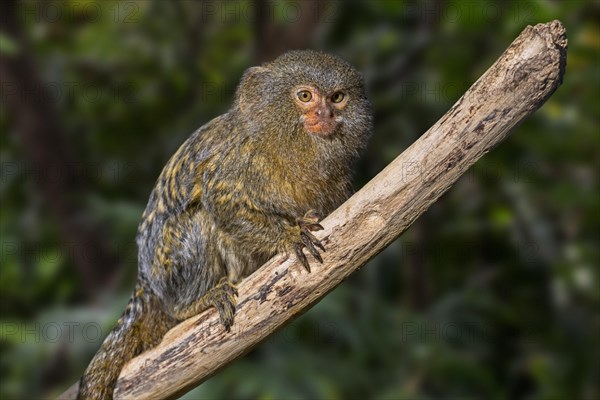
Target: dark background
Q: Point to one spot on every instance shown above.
(493, 293)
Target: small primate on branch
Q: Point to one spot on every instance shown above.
(518, 83)
(247, 185)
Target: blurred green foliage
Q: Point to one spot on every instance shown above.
(493, 293)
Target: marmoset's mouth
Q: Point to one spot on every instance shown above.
(320, 126)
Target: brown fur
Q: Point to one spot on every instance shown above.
(242, 188)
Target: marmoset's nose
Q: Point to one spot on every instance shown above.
(325, 112)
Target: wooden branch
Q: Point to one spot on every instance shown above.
(514, 87)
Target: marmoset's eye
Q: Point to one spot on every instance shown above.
(337, 97)
(304, 96)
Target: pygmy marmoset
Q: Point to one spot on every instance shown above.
(247, 185)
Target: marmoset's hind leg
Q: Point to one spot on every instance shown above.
(191, 271)
(221, 296)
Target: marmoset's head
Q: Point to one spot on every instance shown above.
(305, 92)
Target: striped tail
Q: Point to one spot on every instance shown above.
(142, 326)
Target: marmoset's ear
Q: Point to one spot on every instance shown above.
(252, 87)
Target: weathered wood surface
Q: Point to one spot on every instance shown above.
(518, 83)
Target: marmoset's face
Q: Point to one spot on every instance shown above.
(320, 112)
